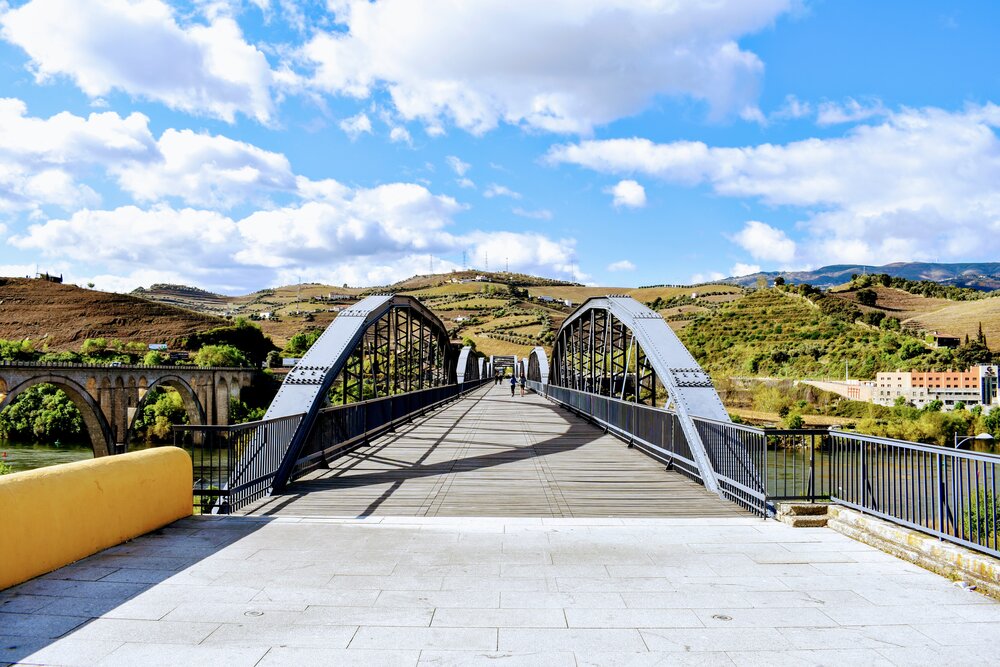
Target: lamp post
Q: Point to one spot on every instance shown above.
(981, 436)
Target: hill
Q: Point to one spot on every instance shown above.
(983, 276)
(477, 305)
(60, 317)
(779, 334)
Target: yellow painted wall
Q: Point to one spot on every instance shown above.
(53, 516)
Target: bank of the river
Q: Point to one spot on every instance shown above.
(22, 456)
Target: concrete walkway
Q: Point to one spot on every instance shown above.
(491, 454)
(436, 591)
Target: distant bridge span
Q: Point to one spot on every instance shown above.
(109, 397)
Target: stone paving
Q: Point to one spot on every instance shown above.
(512, 591)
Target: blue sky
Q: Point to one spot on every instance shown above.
(237, 145)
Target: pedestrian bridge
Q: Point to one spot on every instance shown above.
(395, 507)
(493, 454)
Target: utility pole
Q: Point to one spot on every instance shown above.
(486, 255)
(465, 263)
(506, 265)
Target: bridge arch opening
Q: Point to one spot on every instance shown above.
(189, 399)
(97, 426)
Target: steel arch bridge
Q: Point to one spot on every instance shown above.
(616, 347)
(384, 345)
(389, 356)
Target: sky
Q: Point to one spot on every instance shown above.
(242, 144)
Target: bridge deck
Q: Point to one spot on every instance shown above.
(493, 455)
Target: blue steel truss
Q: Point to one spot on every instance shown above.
(615, 346)
(383, 345)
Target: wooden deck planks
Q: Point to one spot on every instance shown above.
(493, 455)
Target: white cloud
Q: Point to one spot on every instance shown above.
(400, 134)
(206, 170)
(43, 160)
(793, 108)
(628, 194)
(765, 242)
(741, 269)
(456, 164)
(923, 184)
(364, 236)
(562, 66)
(851, 111)
(138, 46)
(355, 126)
(539, 214)
(622, 265)
(709, 277)
(495, 190)
(466, 183)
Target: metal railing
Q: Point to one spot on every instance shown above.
(341, 428)
(652, 430)
(234, 465)
(949, 493)
(237, 465)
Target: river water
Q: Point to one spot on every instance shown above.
(22, 456)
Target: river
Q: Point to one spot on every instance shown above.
(23, 456)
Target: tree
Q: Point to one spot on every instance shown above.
(243, 335)
(220, 355)
(468, 342)
(164, 408)
(972, 353)
(17, 350)
(300, 343)
(92, 346)
(41, 413)
(779, 281)
(154, 358)
(867, 297)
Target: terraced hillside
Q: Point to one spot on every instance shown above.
(60, 317)
(777, 334)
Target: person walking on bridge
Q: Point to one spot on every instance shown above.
(513, 384)
(522, 381)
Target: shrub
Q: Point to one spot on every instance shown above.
(979, 517)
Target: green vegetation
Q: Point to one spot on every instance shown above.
(17, 350)
(798, 332)
(163, 408)
(5, 468)
(300, 343)
(243, 335)
(42, 413)
(240, 412)
(220, 355)
(922, 287)
(980, 517)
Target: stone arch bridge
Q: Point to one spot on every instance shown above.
(110, 396)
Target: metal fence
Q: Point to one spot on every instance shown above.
(654, 431)
(946, 492)
(341, 428)
(236, 465)
(949, 493)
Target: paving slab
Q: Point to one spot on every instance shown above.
(440, 593)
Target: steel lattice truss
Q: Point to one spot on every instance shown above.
(538, 366)
(383, 345)
(614, 346)
(469, 366)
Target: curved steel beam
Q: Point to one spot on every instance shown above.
(467, 368)
(538, 365)
(306, 385)
(690, 388)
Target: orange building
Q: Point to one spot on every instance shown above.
(946, 379)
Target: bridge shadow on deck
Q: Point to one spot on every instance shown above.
(491, 454)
